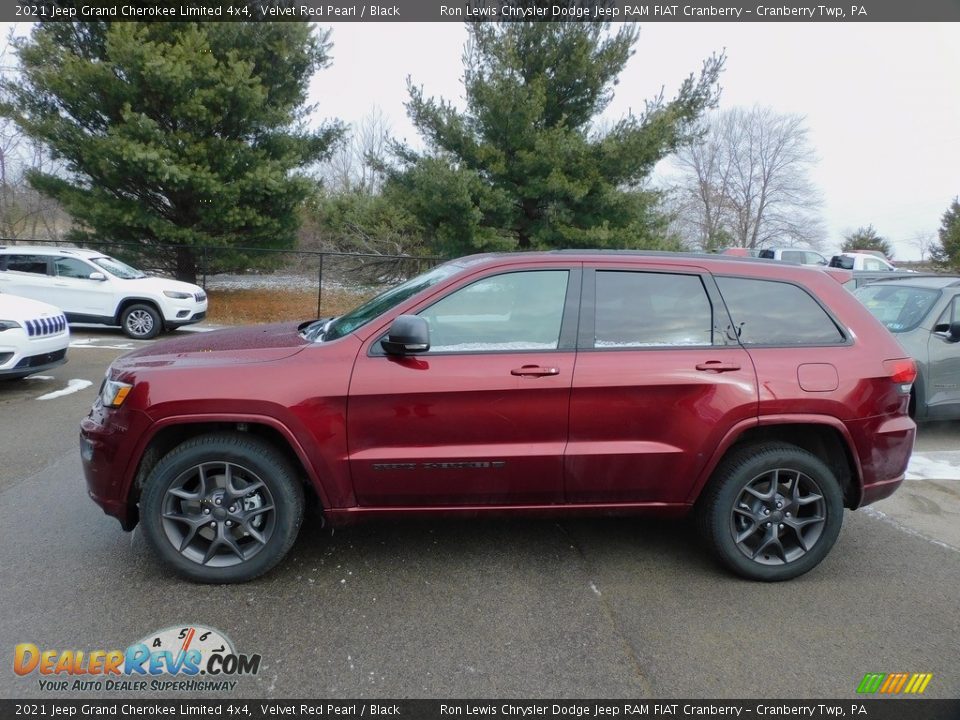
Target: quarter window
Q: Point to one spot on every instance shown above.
(515, 311)
(647, 309)
(767, 312)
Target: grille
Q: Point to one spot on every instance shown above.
(43, 327)
(200, 296)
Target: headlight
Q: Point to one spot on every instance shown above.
(8, 325)
(113, 392)
(177, 295)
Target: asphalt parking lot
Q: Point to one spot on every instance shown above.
(625, 608)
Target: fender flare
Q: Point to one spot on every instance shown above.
(200, 418)
(737, 431)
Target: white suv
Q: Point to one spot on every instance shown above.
(92, 287)
(33, 337)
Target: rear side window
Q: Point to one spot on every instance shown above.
(36, 264)
(647, 309)
(767, 312)
(899, 308)
(794, 256)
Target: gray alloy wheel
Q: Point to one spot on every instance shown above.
(141, 321)
(222, 508)
(771, 511)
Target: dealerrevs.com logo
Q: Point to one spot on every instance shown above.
(190, 658)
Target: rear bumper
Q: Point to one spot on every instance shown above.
(884, 445)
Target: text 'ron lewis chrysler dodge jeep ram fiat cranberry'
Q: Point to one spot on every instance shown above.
(761, 396)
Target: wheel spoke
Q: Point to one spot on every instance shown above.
(771, 540)
(254, 533)
(212, 550)
(230, 542)
(185, 495)
(807, 499)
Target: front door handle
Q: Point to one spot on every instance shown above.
(534, 371)
(717, 366)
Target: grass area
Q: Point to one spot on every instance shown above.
(247, 307)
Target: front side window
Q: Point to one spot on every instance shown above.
(900, 309)
(648, 309)
(72, 268)
(794, 256)
(768, 312)
(35, 264)
(515, 311)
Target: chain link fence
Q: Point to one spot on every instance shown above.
(235, 269)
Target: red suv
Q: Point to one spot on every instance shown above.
(762, 396)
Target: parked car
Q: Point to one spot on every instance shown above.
(761, 396)
(95, 288)
(865, 277)
(741, 252)
(924, 315)
(794, 255)
(33, 337)
(861, 261)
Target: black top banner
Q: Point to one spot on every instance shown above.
(329, 11)
(248, 709)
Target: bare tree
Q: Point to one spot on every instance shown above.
(746, 181)
(24, 212)
(924, 242)
(353, 166)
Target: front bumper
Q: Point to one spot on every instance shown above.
(107, 453)
(21, 356)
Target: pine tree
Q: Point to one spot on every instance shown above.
(173, 133)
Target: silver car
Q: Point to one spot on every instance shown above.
(923, 313)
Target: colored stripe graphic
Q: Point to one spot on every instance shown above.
(895, 683)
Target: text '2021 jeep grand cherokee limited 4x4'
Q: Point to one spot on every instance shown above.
(762, 396)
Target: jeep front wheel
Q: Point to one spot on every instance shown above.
(141, 321)
(222, 508)
(772, 511)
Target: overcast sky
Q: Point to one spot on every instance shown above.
(880, 99)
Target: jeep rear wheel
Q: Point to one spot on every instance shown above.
(222, 508)
(772, 511)
(141, 321)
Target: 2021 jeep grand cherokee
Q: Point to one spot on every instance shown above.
(762, 396)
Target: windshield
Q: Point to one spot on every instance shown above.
(899, 308)
(117, 268)
(363, 314)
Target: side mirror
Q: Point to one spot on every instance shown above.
(953, 331)
(409, 334)
(949, 332)
(97, 276)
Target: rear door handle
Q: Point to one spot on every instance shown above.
(717, 366)
(534, 371)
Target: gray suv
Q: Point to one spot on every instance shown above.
(923, 313)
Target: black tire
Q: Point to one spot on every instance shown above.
(222, 508)
(141, 321)
(766, 531)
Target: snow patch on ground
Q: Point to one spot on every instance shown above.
(942, 465)
(72, 387)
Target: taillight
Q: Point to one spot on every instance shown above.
(902, 372)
